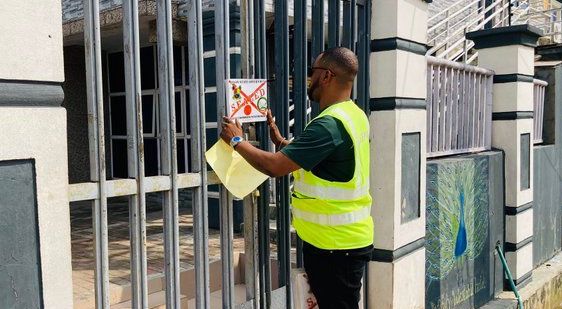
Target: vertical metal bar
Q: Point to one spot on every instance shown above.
(509, 12)
(300, 79)
(489, 102)
(488, 13)
(333, 23)
(535, 109)
(300, 72)
(263, 208)
(430, 95)
(484, 109)
(470, 113)
(317, 39)
(541, 117)
(538, 116)
(282, 101)
(250, 251)
(435, 110)
(251, 241)
(464, 105)
(442, 102)
(480, 109)
(222, 46)
(198, 146)
(474, 108)
(455, 109)
(476, 117)
(96, 139)
(135, 153)
(347, 39)
(363, 53)
(449, 111)
(467, 124)
(458, 119)
(168, 150)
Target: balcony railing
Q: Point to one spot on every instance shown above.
(459, 108)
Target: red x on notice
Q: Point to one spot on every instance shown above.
(249, 101)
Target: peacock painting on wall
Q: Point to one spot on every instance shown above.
(457, 228)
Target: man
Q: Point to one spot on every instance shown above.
(330, 163)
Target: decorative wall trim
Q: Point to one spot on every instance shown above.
(526, 278)
(513, 211)
(391, 103)
(30, 93)
(512, 115)
(389, 256)
(398, 44)
(512, 78)
(526, 35)
(511, 247)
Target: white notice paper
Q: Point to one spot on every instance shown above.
(235, 173)
(246, 99)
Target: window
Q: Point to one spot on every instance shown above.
(150, 114)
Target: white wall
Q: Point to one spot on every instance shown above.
(31, 40)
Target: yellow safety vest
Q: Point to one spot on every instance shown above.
(337, 215)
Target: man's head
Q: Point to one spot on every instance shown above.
(333, 71)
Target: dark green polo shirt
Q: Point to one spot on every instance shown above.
(325, 148)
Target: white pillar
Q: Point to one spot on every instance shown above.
(398, 148)
(509, 51)
(35, 262)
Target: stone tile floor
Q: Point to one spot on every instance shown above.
(118, 231)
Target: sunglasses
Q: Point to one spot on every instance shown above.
(311, 70)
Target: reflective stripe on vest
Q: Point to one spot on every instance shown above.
(330, 193)
(333, 220)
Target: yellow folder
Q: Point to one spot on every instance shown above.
(237, 175)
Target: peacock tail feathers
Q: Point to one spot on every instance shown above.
(456, 215)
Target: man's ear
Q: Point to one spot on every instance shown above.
(326, 76)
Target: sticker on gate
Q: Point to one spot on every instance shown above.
(247, 99)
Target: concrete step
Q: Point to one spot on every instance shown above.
(543, 292)
(216, 297)
(158, 300)
(155, 301)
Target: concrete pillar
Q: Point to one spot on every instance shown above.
(398, 147)
(509, 51)
(35, 256)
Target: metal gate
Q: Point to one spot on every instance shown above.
(346, 23)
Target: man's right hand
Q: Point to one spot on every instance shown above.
(274, 133)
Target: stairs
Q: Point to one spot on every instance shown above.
(155, 301)
(449, 24)
(158, 300)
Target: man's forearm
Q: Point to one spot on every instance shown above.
(259, 159)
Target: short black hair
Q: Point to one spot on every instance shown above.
(342, 62)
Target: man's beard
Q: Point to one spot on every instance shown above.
(310, 91)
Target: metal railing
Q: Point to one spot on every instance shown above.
(459, 108)
(538, 109)
(355, 33)
(447, 30)
(137, 185)
(547, 20)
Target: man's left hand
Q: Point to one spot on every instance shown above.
(230, 129)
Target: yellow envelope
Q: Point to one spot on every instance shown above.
(237, 175)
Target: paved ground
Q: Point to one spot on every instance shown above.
(118, 216)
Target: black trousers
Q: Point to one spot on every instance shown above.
(335, 275)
